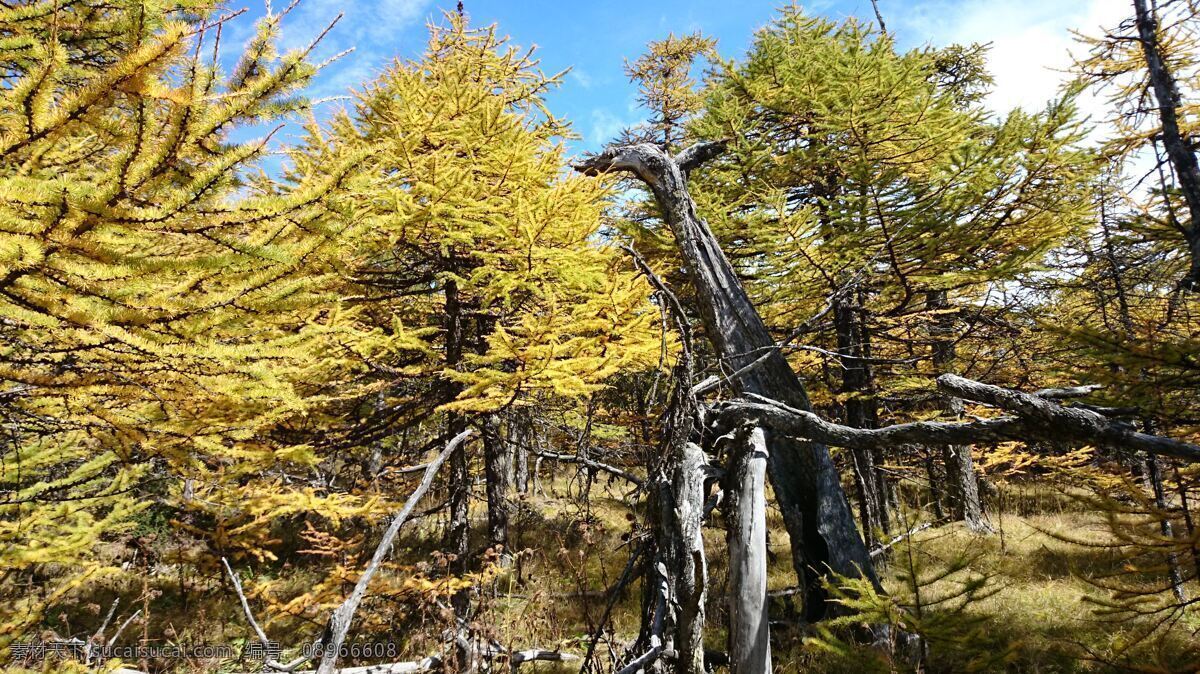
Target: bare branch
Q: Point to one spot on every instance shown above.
(641, 160)
(532, 654)
(339, 622)
(1068, 392)
(699, 153)
(116, 635)
(595, 465)
(878, 551)
(1035, 419)
(262, 636)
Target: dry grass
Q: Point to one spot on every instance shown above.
(569, 556)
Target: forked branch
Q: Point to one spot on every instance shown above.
(1032, 419)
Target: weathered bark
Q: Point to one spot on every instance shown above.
(746, 535)
(962, 486)
(806, 483)
(678, 481)
(683, 557)
(1035, 419)
(1179, 145)
(496, 472)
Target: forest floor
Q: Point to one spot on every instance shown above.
(1030, 612)
(1039, 606)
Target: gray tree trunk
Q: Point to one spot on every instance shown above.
(962, 485)
(806, 483)
(746, 535)
(676, 564)
(496, 473)
(520, 435)
(683, 555)
(458, 532)
(861, 412)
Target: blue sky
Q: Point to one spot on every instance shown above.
(1031, 40)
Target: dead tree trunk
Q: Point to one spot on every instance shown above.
(683, 557)
(746, 534)
(1179, 146)
(676, 478)
(339, 622)
(962, 484)
(807, 486)
(676, 488)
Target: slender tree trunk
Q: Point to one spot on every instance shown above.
(1179, 145)
(1188, 522)
(884, 488)
(935, 482)
(962, 485)
(676, 484)
(805, 480)
(1154, 482)
(521, 434)
(496, 472)
(458, 534)
(687, 569)
(746, 536)
(860, 412)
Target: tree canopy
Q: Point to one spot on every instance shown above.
(825, 364)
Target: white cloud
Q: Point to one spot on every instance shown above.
(1032, 44)
(373, 29)
(581, 77)
(605, 126)
(394, 13)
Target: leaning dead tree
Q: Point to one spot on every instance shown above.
(806, 482)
